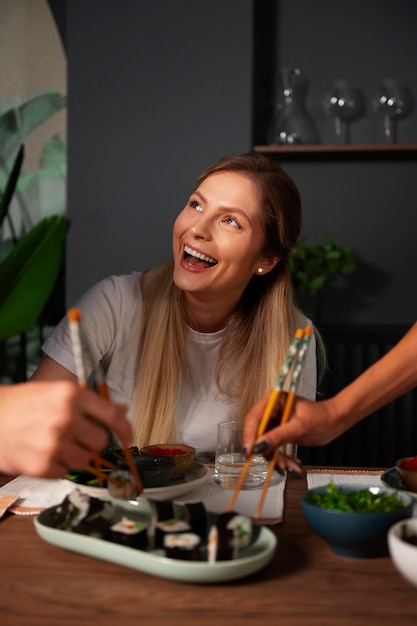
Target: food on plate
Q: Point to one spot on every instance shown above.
(79, 513)
(407, 471)
(130, 533)
(410, 463)
(176, 530)
(230, 534)
(184, 546)
(111, 455)
(124, 485)
(182, 454)
(359, 501)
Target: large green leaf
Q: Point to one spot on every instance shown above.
(28, 275)
(20, 121)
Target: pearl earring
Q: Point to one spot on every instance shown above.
(260, 270)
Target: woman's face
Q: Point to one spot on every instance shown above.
(218, 237)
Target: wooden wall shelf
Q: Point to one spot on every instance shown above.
(377, 149)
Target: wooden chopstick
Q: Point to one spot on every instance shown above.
(289, 402)
(282, 376)
(80, 346)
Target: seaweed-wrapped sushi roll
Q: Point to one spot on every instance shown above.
(128, 532)
(184, 546)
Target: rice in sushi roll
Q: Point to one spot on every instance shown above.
(183, 546)
(131, 533)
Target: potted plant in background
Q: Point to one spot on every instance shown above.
(33, 229)
(314, 268)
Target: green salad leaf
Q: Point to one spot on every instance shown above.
(358, 501)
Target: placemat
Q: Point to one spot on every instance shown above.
(216, 499)
(366, 478)
(32, 495)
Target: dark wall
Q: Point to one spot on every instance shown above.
(157, 90)
(368, 204)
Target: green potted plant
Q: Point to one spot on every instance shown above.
(315, 267)
(32, 229)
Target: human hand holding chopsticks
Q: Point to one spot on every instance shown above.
(48, 427)
(81, 350)
(290, 369)
(272, 438)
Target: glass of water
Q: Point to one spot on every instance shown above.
(230, 459)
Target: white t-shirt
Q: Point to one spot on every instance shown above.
(110, 310)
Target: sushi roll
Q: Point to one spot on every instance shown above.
(131, 533)
(230, 534)
(183, 546)
(125, 488)
(169, 527)
(196, 515)
(220, 544)
(81, 513)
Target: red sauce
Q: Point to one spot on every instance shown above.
(169, 451)
(410, 464)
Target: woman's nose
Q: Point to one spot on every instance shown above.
(203, 227)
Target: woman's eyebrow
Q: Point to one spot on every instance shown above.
(224, 209)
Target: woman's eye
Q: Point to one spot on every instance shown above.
(196, 205)
(231, 220)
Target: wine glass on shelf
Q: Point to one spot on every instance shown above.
(345, 104)
(392, 103)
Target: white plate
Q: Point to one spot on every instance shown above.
(254, 558)
(196, 475)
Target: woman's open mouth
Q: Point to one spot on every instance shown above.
(197, 259)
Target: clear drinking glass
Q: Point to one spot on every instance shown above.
(230, 459)
(345, 104)
(392, 103)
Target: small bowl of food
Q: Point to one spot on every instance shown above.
(355, 520)
(154, 470)
(407, 471)
(402, 544)
(182, 454)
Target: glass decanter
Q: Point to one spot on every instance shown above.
(291, 123)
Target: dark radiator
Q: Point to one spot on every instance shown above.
(387, 434)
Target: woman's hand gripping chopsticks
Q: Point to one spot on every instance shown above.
(290, 369)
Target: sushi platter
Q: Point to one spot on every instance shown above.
(139, 535)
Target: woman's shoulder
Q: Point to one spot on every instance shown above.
(116, 286)
(115, 295)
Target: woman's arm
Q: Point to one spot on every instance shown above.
(318, 423)
(49, 369)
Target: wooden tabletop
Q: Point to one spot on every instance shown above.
(305, 584)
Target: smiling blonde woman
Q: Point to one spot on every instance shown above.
(197, 340)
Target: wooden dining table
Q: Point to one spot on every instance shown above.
(304, 584)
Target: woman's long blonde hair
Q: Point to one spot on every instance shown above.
(257, 337)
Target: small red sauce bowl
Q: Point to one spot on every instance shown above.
(182, 454)
(408, 476)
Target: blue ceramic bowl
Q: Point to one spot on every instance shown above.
(352, 534)
(155, 471)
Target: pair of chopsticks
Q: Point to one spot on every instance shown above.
(81, 348)
(296, 353)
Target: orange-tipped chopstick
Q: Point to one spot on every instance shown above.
(284, 371)
(286, 412)
(80, 346)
